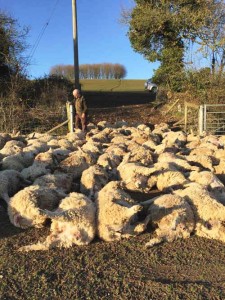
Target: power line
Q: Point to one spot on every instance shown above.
(34, 48)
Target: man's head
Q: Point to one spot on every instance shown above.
(76, 93)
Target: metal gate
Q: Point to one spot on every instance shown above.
(212, 119)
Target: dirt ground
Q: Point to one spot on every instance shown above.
(186, 269)
(139, 113)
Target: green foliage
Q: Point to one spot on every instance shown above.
(12, 63)
(160, 30)
(49, 90)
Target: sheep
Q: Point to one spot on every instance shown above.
(220, 170)
(171, 138)
(150, 144)
(120, 139)
(4, 137)
(172, 217)
(118, 149)
(192, 137)
(60, 154)
(160, 129)
(36, 170)
(206, 178)
(212, 140)
(58, 181)
(24, 207)
(138, 153)
(73, 223)
(211, 182)
(75, 136)
(36, 146)
(75, 164)
(219, 154)
(208, 212)
(117, 214)
(168, 180)
(204, 161)
(110, 162)
(201, 151)
(12, 147)
(163, 147)
(137, 177)
(17, 161)
(146, 130)
(119, 124)
(104, 125)
(11, 181)
(102, 136)
(93, 147)
(177, 161)
(42, 137)
(44, 163)
(139, 137)
(93, 180)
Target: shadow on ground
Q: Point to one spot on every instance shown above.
(113, 99)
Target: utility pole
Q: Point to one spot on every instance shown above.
(75, 45)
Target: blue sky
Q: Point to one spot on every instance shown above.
(101, 37)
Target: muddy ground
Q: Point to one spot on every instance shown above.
(185, 269)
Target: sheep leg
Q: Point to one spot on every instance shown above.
(34, 247)
(154, 241)
(6, 198)
(148, 202)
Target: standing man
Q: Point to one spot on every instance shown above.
(81, 109)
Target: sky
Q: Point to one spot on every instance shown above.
(101, 36)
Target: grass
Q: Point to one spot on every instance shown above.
(112, 85)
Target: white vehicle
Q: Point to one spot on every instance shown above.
(151, 87)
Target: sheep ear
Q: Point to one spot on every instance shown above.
(50, 150)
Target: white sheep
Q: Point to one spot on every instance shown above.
(137, 177)
(209, 213)
(44, 163)
(117, 213)
(93, 180)
(24, 207)
(140, 154)
(11, 181)
(4, 137)
(58, 181)
(172, 217)
(12, 147)
(210, 181)
(168, 179)
(177, 161)
(73, 223)
(172, 138)
(201, 160)
(17, 161)
(75, 164)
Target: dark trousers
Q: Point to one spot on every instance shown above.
(78, 120)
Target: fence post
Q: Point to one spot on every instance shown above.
(205, 116)
(70, 116)
(200, 119)
(185, 116)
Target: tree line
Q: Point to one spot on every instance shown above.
(91, 71)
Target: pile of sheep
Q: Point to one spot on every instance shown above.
(81, 182)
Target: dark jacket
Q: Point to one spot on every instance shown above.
(80, 105)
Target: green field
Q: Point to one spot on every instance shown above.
(112, 85)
